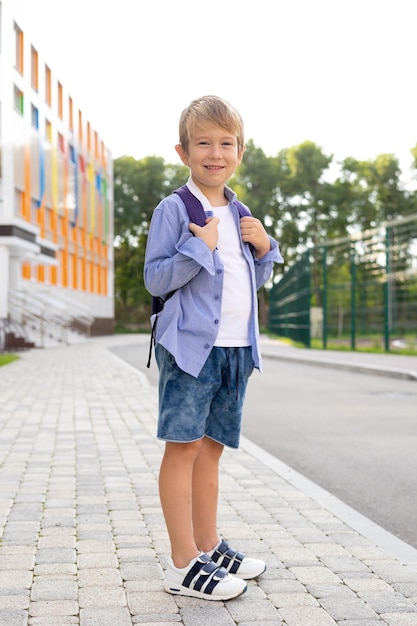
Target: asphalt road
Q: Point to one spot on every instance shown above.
(353, 434)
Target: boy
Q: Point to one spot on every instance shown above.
(206, 346)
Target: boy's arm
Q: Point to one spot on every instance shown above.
(253, 232)
(173, 256)
(208, 233)
(266, 249)
(264, 266)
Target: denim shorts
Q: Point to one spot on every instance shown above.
(210, 405)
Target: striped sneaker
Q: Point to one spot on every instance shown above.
(235, 562)
(203, 579)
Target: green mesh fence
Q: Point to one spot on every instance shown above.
(289, 303)
(357, 291)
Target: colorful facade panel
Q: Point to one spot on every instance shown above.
(56, 179)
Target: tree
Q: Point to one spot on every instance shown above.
(376, 192)
(139, 185)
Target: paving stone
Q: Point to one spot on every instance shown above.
(16, 561)
(46, 588)
(105, 617)
(18, 538)
(55, 555)
(13, 618)
(57, 531)
(409, 590)
(135, 570)
(292, 599)
(97, 559)
(315, 575)
(307, 616)
(90, 597)
(348, 608)
(398, 619)
(368, 584)
(57, 608)
(247, 607)
(388, 602)
(61, 620)
(91, 546)
(152, 603)
(14, 601)
(100, 576)
(15, 579)
(207, 615)
(360, 622)
(126, 555)
(57, 541)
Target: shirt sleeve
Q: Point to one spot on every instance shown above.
(173, 255)
(263, 267)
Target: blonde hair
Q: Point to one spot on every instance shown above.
(211, 111)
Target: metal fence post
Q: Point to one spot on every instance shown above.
(324, 298)
(352, 297)
(387, 290)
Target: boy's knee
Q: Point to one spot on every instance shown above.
(189, 449)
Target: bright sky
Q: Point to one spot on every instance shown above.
(341, 73)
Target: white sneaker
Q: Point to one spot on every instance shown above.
(202, 579)
(235, 562)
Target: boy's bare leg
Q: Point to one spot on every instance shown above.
(175, 490)
(206, 494)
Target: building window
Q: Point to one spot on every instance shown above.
(80, 126)
(48, 86)
(88, 137)
(34, 212)
(18, 100)
(60, 102)
(19, 48)
(35, 117)
(18, 202)
(70, 114)
(34, 68)
(61, 142)
(47, 221)
(48, 131)
(96, 144)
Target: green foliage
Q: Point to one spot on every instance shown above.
(296, 194)
(139, 185)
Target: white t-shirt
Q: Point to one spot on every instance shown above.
(237, 292)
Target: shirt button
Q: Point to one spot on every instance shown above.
(218, 272)
(216, 321)
(217, 297)
(207, 346)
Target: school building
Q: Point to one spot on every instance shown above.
(56, 200)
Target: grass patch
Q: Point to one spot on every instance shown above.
(371, 345)
(130, 329)
(7, 358)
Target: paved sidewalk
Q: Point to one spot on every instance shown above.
(83, 539)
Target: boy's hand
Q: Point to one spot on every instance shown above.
(208, 233)
(253, 232)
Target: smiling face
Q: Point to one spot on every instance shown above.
(212, 155)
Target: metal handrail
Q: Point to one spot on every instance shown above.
(48, 314)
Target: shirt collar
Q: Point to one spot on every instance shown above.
(229, 193)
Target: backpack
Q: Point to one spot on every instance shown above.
(198, 216)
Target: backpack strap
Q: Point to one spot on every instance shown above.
(195, 209)
(193, 205)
